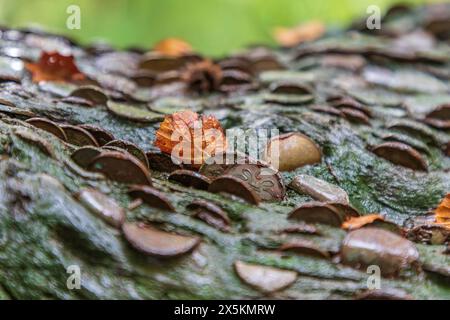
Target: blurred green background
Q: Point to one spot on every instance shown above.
(211, 26)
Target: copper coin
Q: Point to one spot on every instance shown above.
(263, 180)
(101, 135)
(151, 196)
(190, 178)
(48, 126)
(156, 242)
(234, 186)
(121, 167)
(78, 136)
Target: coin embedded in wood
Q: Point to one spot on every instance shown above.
(101, 135)
(48, 126)
(401, 154)
(317, 212)
(131, 148)
(83, 156)
(190, 178)
(211, 213)
(93, 94)
(121, 167)
(264, 278)
(261, 179)
(235, 186)
(158, 243)
(151, 196)
(78, 136)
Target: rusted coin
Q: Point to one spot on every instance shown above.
(354, 115)
(373, 246)
(131, 148)
(264, 278)
(154, 198)
(190, 178)
(317, 212)
(290, 151)
(78, 136)
(48, 126)
(263, 180)
(102, 205)
(211, 214)
(83, 156)
(101, 135)
(401, 154)
(234, 186)
(91, 93)
(304, 247)
(154, 242)
(161, 162)
(121, 167)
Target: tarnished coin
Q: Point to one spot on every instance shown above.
(154, 242)
(161, 162)
(151, 196)
(261, 179)
(48, 126)
(355, 116)
(401, 154)
(304, 247)
(317, 212)
(264, 278)
(91, 93)
(217, 165)
(234, 186)
(83, 156)
(121, 167)
(78, 136)
(190, 178)
(101, 135)
(131, 148)
(211, 214)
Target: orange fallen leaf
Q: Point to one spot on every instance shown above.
(53, 66)
(190, 137)
(442, 212)
(173, 47)
(358, 222)
(290, 37)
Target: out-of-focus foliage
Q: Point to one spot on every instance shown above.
(211, 26)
